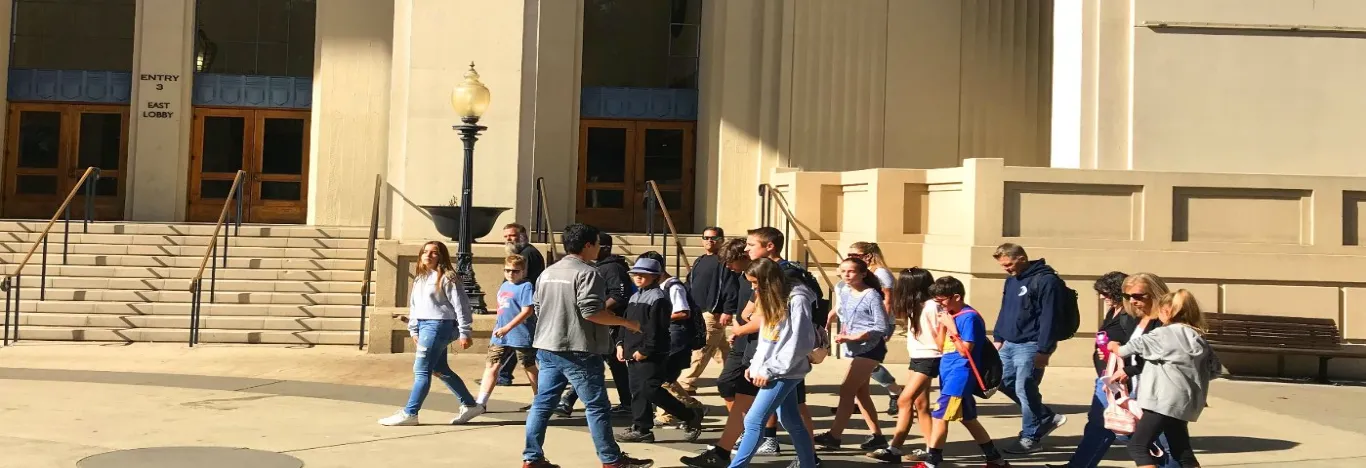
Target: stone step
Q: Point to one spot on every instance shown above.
(55, 240)
(181, 321)
(55, 258)
(190, 229)
(30, 304)
(181, 335)
(54, 253)
(220, 285)
(32, 271)
(220, 297)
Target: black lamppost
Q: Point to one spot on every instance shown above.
(470, 98)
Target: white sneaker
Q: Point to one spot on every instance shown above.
(399, 418)
(467, 413)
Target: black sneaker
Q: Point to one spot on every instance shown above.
(692, 428)
(621, 410)
(635, 435)
(712, 457)
(893, 408)
(562, 411)
(825, 441)
(628, 462)
(886, 455)
(873, 442)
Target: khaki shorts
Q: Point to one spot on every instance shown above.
(526, 356)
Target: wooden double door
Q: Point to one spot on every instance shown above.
(617, 157)
(48, 148)
(270, 145)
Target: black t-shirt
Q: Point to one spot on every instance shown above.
(535, 263)
(734, 299)
(706, 282)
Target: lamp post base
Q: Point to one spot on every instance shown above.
(468, 284)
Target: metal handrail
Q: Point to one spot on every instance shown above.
(769, 196)
(544, 230)
(197, 283)
(13, 282)
(369, 260)
(652, 200)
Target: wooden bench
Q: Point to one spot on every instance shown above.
(1281, 336)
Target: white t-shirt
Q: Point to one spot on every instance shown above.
(884, 277)
(678, 297)
(923, 345)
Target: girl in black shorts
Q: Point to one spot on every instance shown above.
(863, 327)
(911, 300)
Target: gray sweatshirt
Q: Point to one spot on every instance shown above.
(567, 293)
(1180, 364)
(781, 352)
(428, 302)
(861, 314)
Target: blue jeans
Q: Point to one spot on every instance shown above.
(433, 336)
(1019, 378)
(779, 395)
(1096, 439)
(584, 372)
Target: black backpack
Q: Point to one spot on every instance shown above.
(988, 367)
(1067, 318)
(821, 310)
(697, 325)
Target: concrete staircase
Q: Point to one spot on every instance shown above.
(123, 282)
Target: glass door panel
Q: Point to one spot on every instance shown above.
(608, 195)
(221, 146)
(666, 156)
(101, 141)
(278, 184)
(35, 171)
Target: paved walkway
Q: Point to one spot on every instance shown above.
(60, 403)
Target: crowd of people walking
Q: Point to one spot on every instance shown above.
(767, 322)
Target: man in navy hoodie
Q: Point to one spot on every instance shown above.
(1024, 335)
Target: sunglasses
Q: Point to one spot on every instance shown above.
(1137, 297)
(711, 238)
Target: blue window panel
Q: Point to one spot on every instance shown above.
(86, 86)
(267, 92)
(638, 103)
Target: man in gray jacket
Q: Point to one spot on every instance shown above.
(572, 334)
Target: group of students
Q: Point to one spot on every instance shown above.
(580, 314)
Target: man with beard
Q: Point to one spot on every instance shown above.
(515, 240)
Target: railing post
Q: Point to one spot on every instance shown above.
(194, 310)
(650, 214)
(4, 284)
(66, 231)
(237, 219)
(213, 270)
(18, 288)
(225, 247)
(787, 234)
(42, 277)
(364, 302)
(89, 201)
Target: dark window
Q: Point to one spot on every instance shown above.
(73, 34)
(255, 37)
(641, 43)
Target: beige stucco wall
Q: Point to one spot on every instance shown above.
(1300, 255)
(350, 124)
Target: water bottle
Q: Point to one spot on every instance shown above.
(1103, 344)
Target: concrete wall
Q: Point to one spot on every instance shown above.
(1299, 255)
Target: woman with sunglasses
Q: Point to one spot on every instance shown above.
(1130, 312)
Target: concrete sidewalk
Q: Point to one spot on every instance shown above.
(61, 402)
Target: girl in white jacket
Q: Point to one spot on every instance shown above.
(1175, 381)
(438, 313)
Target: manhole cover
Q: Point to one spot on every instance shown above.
(198, 457)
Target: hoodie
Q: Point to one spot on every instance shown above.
(613, 269)
(780, 352)
(1180, 364)
(1028, 304)
(650, 307)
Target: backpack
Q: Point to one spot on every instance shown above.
(821, 310)
(697, 325)
(1067, 317)
(987, 369)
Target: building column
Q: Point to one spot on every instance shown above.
(159, 134)
(1068, 44)
(430, 56)
(6, 20)
(350, 124)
